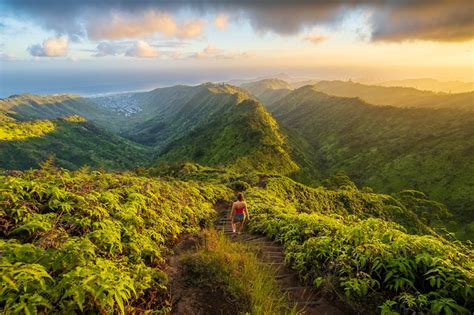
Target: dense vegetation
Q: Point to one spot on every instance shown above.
(374, 251)
(91, 241)
(12, 130)
(365, 258)
(387, 148)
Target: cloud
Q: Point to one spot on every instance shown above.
(51, 47)
(121, 26)
(139, 48)
(142, 49)
(221, 21)
(212, 52)
(436, 20)
(109, 49)
(315, 38)
(6, 57)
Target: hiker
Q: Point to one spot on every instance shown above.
(238, 214)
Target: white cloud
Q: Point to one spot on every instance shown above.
(142, 49)
(122, 26)
(51, 47)
(221, 22)
(212, 52)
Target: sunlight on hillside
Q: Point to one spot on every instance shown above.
(23, 130)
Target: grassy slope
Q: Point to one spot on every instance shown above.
(387, 148)
(74, 144)
(240, 135)
(172, 112)
(26, 107)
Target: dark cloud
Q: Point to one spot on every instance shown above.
(437, 20)
(428, 20)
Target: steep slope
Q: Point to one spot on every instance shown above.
(396, 96)
(268, 90)
(220, 128)
(71, 140)
(387, 148)
(169, 113)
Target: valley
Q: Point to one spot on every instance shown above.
(359, 196)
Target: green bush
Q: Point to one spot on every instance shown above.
(93, 242)
(351, 244)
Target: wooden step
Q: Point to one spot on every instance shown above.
(284, 275)
(308, 303)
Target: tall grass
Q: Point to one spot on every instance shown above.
(235, 268)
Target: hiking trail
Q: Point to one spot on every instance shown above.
(304, 297)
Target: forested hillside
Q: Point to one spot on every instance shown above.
(214, 124)
(72, 141)
(387, 148)
(397, 96)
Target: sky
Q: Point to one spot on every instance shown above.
(89, 47)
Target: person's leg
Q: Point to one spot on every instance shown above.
(241, 225)
(233, 223)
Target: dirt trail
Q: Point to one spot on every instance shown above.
(188, 299)
(303, 296)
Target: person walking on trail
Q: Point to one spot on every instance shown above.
(238, 214)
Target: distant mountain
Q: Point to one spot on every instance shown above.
(396, 96)
(213, 124)
(278, 76)
(268, 90)
(387, 148)
(297, 85)
(433, 85)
